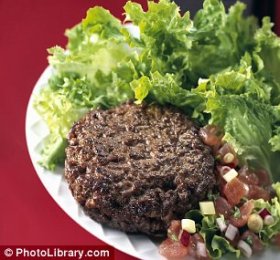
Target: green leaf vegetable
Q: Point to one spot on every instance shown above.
(216, 245)
(218, 68)
(94, 71)
(268, 231)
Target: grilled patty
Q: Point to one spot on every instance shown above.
(137, 167)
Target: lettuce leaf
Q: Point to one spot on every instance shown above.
(221, 246)
(218, 68)
(165, 90)
(268, 50)
(59, 115)
(240, 102)
(248, 127)
(275, 140)
(171, 43)
(220, 39)
(94, 71)
(163, 36)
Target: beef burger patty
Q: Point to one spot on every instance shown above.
(137, 167)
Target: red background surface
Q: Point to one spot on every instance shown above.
(28, 215)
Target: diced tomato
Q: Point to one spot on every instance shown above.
(222, 185)
(264, 178)
(245, 211)
(172, 249)
(247, 176)
(221, 182)
(223, 153)
(211, 135)
(226, 148)
(257, 192)
(222, 207)
(235, 190)
(174, 229)
(276, 240)
(219, 177)
(254, 241)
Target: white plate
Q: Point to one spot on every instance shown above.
(139, 246)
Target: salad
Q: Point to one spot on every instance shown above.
(221, 69)
(240, 217)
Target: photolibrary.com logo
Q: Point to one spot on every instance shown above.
(64, 252)
(8, 252)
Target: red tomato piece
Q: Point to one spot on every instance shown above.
(222, 207)
(254, 241)
(226, 148)
(235, 190)
(245, 211)
(223, 153)
(211, 135)
(257, 192)
(172, 249)
(220, 171)
(247, 176)
(263, 177)
(174, 229)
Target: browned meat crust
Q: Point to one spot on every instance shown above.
(136, 168)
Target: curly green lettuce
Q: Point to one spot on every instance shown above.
(218, 68)
(93, 71)
(216, 244)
